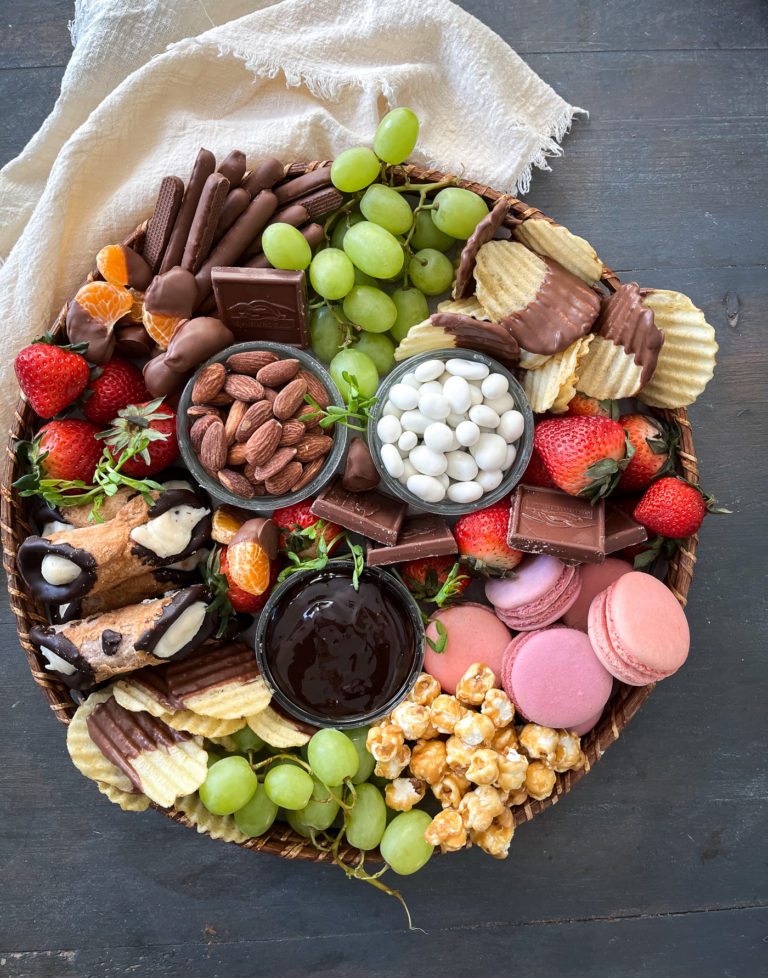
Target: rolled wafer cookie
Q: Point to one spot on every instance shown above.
(88, 651)
(204, 166)
(73, 563)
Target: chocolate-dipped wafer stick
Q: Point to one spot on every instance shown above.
(321, 201)
(233, 167)
(204, 222)
(236, 202)
(204, 166)
(263, 176)
(75, 562)
(88, 651)
(163, 218)
(299, 186)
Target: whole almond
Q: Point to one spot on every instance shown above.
(261, 446)
(236, 454)
(281, 458)
(213, 448)
(209, 382)
(278, 373)
(236, 483)
(253, 418)
(270, 394)
(200, 410)
(222, 399)
(308, 416)
(276, 485)
(244, 388)
(259, 489)
(312, 447)
(315, 388)
(199, 428)
(293, 432)
(290, 398)
(250, 362)
(310, 471)
(233, 419)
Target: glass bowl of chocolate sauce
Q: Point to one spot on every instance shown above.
(338, 657)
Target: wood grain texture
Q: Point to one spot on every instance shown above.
(655, 863)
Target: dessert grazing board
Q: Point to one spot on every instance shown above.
(337, 504)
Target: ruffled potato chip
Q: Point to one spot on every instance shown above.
(276, 731)
(555, 241)
(552, 386)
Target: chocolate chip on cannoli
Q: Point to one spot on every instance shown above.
(74, 562)
(162, 220)
(204, 166)
(137, 635)
(300, 186)
(263, 176)
(205, 221)
(233, 167)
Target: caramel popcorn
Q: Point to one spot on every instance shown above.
(539, 743)
(474, 684)
(451, 789)
(391, 768)
(497, 706)
(403, 793)
(484, 766)
(446, 711)
(539, 780)
(474, 729)
(413, 719)
(496, 838)
(447, 831)
(512, 768)
(519, 797)
(569, 756)
(425, 690)
(480, 807)
(428, 760)
(385, 741)
(505, 738)
(458, 755)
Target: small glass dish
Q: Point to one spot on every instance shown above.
(329, 665)
(524, 444)
(262, 504)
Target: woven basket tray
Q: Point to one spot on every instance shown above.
(14, 525)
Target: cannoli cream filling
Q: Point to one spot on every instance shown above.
(170, 532)
(57, 570)
(183, 630)
(55, 662)
(54, 526)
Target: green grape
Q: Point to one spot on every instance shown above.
(344, 223)
(458, 212)
(246, 740)
(286, 247)
(362, 279)
(354, 169)
(403, 845)
(368, 819)
(230, 784)
(332, 756)
(387, 208)
(331, 273)
(374, 250)
(320, 810)
(370, 308)
(412, 308)
(357, 365)
(426, 235)
(380, 348)
(296, 824)
(325, 333)
(256, 816)
(288, 785)
(358, 736)
(430, 271)
(396, 135)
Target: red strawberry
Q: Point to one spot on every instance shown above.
(654, 443)
(241, 600)
(671, 507)
(118, 384)
(426, 577)
(536, 474)
(295, 521)
(590, 407)
(152, 425)
(482, 540)
(72, 448)
(51, 376)
(583, 455)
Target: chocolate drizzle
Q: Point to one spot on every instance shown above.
(484, 232)
(628, 323)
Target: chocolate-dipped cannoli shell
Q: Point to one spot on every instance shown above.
(120, 641)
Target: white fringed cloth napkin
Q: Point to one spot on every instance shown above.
(150, 81)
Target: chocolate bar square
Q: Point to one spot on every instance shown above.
(371, 513)
(420, 536)
(621, 530)
(263, 304)
(548, 521)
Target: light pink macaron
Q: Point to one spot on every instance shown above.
(472, 634)
(594, 579)
(541, 591)
(638, 629)
(555, 679)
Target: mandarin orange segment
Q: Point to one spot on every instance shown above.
(111, 262)
(160, 328)
(224, 525)
(248, 567)
(104, 302)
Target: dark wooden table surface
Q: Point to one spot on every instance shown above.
(656, 863)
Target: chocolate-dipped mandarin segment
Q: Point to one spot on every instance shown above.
(161, 380)
(233, 167)
(483, 233)
(263, 176)
(55, 572)
(204, 166)
(196, 341)
(173, 293)
(83, 328)
(205, 222)
(123, 266)
(360, 472)
(264, 532)
(163, 218)
(133, 342)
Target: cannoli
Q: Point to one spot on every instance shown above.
(88, 651)
(73, 563)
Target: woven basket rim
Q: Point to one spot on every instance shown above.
(280, 839)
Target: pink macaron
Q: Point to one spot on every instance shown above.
(472, 634)
(638, 629)
(555, 679)
(594, 579)
(541, 591)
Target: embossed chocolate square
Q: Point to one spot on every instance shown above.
(263, 304)
(549, 521)
(370, 513)
(419, 536)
